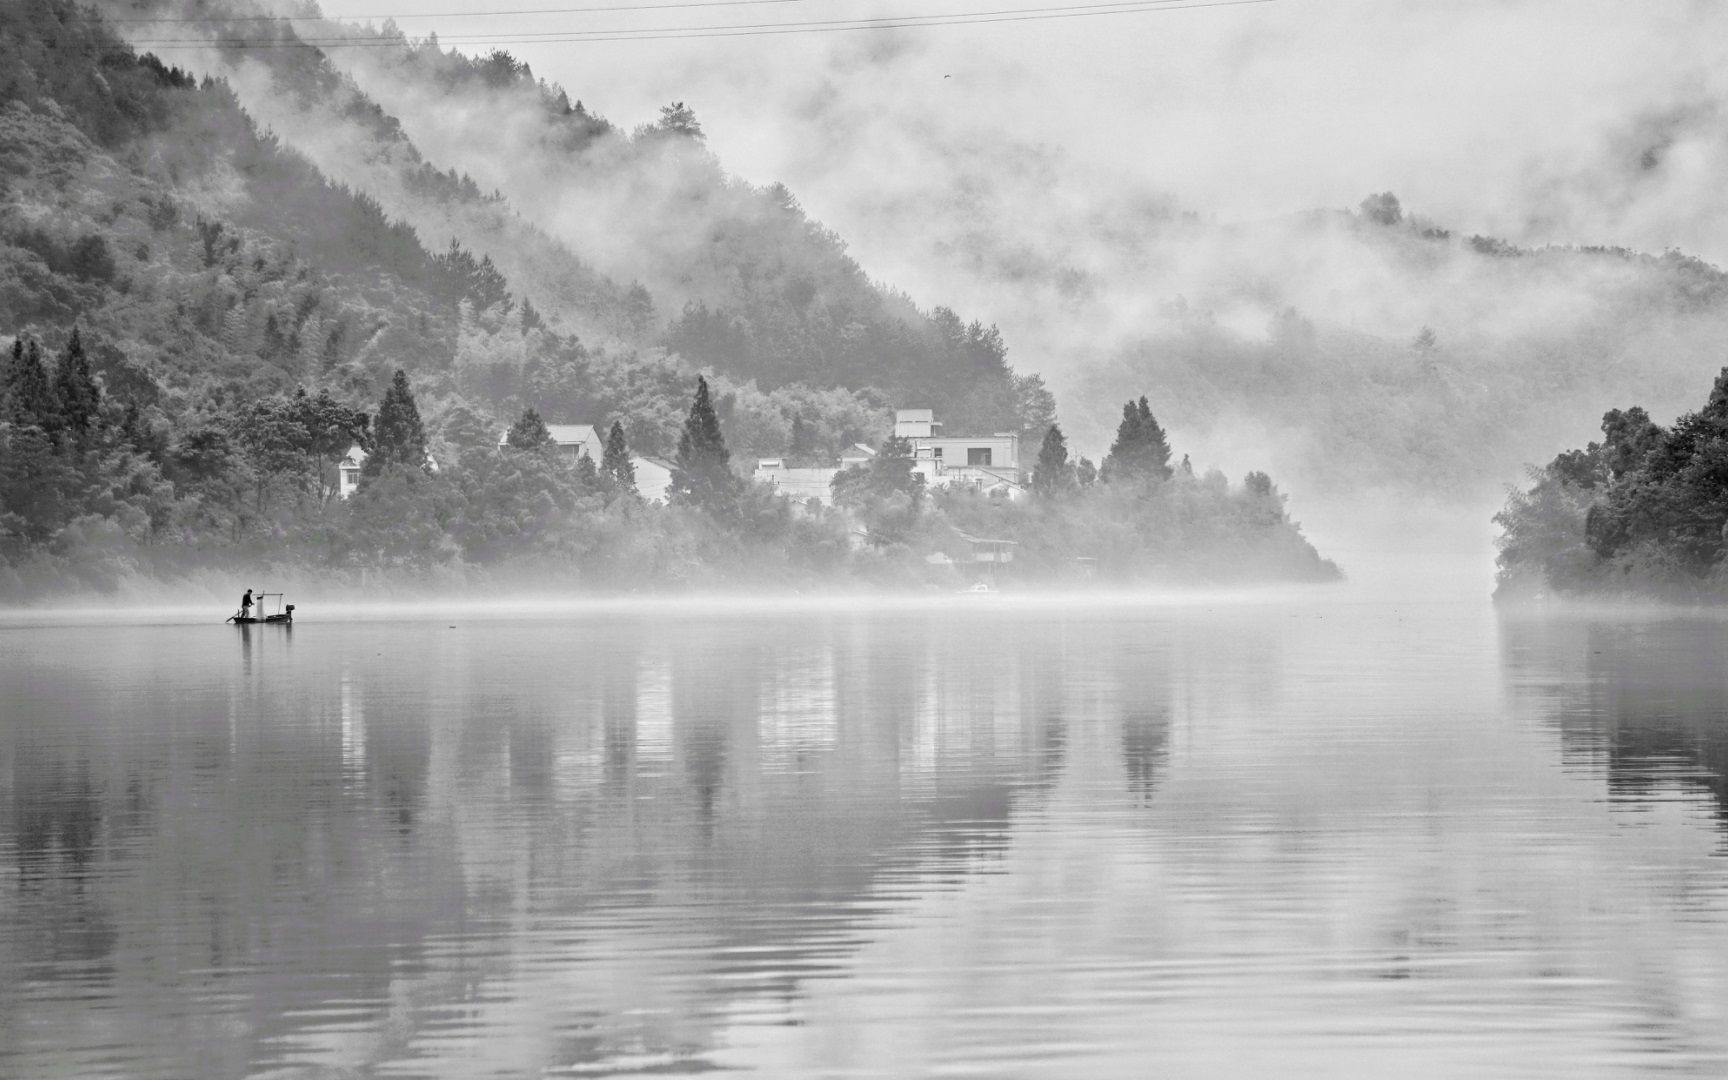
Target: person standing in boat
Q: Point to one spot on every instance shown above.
(246, 605)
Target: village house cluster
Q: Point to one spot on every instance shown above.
(574, 441)
(990, 463)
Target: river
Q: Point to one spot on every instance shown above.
(1315, 835)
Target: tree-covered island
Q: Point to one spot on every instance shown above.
(1642, 513)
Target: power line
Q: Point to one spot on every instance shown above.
(613, 8)
(1073, 11)
(940, 19)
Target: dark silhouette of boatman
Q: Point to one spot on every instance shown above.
(246, 604)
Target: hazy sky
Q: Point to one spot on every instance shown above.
(1576, 120)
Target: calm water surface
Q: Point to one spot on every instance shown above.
(1318, 838)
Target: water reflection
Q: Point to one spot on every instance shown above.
(1643, 700)
(1010, 843)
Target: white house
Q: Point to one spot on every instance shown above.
(988, 462)
(574, 441)
(653, 477)
(799, 485)
(348, 470)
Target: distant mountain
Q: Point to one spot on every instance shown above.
(1289, 338)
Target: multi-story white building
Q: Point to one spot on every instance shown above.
(990, 462)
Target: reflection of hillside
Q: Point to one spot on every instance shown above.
(605, 838)
(1645, 700)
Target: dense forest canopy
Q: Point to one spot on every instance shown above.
(1643, 512)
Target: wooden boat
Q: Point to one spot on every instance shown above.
(284, 613)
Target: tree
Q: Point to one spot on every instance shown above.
(1053, 475)
(888, 473)
(1382, 209)
(398, 437)
(1086, 472)
(29, 396)
(679, 119)
(803, 443)
(1141, 451)
(1035, 405)
(886, 493)
(1630, 435)
(530, 435)
(272, 434)
(702, 473)
(331, 430)
(79, 397)
(587, 474)
(616, 470)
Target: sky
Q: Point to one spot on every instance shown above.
(1526, 118)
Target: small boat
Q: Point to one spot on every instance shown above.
(284, 613)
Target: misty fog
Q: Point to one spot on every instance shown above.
(1178, 216)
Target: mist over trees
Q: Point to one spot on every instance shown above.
(1641, 513)
(201, 326)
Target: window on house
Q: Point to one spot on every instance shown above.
(977, 455)
(936, 452)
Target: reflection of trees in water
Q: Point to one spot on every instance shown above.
(1647, 700)
(619, 660)
(715, 703)
(806, 775)
(57, 827)
(56, 812)
(397, 757)
(1143, 697)
(1043, 665)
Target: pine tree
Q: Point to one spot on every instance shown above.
(803, 445)
(616, 470)
(398, 437)
(79, 396)
(702, 472)
(587, 474)
(1053, 475)
(529, 434)
(1141, 450)
(29, 395)
(531, 320)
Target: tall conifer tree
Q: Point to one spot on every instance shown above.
(79, 397)
(702, 472)
(398, 437)
(529, 433)
(1141, 450)
(29, 395)
(1053, 475)
(616, 470)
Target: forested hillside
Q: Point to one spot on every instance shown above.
(199, 324)
(209, 267)
(639, 236)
